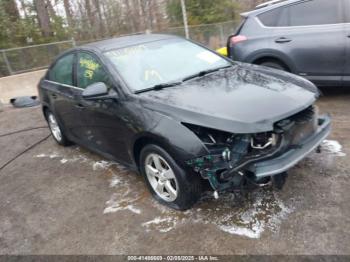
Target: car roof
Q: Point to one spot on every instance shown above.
(269, 7)
(124, 41)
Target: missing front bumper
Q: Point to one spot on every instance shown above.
(293, 156)
(282, 158)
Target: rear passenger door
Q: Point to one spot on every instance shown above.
(314, 39)
(62, 93)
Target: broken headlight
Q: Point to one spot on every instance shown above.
(210, 137)
(229, 153)
(263, 140)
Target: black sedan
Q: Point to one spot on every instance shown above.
(181, 114)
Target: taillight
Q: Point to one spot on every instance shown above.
(237, 39)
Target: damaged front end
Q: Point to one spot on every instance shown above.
(237, 159)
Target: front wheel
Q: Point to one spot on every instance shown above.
(167, 181)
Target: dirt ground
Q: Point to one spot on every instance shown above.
(56, 200)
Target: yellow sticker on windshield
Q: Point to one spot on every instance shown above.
(149, 74)
(208, 57)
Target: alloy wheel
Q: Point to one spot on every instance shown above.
(161, 177)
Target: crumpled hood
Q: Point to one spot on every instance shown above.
(241, 99)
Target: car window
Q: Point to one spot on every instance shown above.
(90, 71)
(153, 63)
(275, 17)
(62, 71)
(316, 12)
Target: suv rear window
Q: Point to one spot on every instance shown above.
(275, 17)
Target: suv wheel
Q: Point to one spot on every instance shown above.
(167, 181)
(56, 129)
(275, 65)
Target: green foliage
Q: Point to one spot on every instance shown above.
(202, 11)
(25, 30)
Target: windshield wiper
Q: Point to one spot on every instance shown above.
(204, 72)
(159, 87)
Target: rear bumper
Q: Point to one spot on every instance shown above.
(293, 156)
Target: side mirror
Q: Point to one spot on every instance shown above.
(95, 91)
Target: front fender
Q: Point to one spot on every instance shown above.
(180, 142)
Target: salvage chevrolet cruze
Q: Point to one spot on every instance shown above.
(181, 114)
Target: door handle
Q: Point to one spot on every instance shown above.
(80, 106)
(54, 96)
(283, 40)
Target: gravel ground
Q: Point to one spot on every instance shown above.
(57, 200)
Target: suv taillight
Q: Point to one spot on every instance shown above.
(237, 39)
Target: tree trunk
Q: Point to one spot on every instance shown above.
(68, 10)
(11, 9)
(50, 9)
(130, 16)
(100, 18)
(43, 17)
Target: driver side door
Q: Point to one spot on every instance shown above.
(105, 129)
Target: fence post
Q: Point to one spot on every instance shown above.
(222, 35)
(184, 17)
(7, 62)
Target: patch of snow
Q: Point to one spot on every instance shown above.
(113, 209)
(262, 210)
(101, 165)
(52, 155)
(241, 231)
(115, 181)
(122, 201)
(163, 225)
(63, 160)
(132, 208)
(333, 147)
(41, 156)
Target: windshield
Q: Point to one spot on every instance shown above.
(155, 63)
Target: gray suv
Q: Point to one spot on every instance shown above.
(308, 38)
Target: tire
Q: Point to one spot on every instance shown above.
(279, 181)
(56, 129)
(169, 179)
(275, 65)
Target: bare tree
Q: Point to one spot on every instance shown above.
(89, 12)
(52, 13)
(100, 17)
(43, 17)
(130, 14)
(68, 11)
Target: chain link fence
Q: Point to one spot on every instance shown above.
(30, 58)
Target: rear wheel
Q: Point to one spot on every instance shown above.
(167, 181)
(56, 130)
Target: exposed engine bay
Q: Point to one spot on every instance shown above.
(230, 163)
